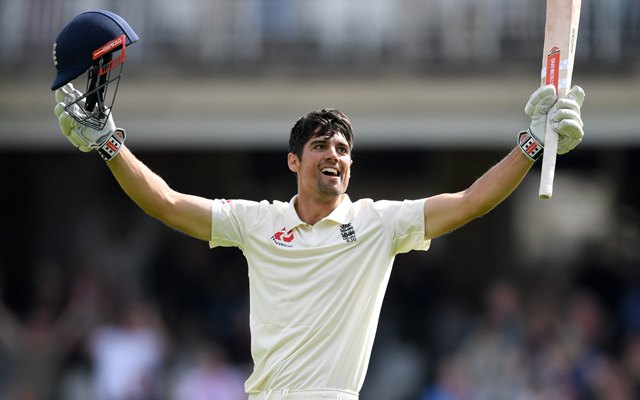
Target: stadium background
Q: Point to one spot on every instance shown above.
(536, 299)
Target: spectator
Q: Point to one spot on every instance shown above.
(128, 356)
(210, 377)
(37, 347)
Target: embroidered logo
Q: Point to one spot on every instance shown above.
(55, 55)
(283, 238)
(348, 233)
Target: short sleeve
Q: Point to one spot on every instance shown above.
(229, 221)
(405, 221)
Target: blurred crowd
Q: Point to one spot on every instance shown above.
(553, 343)
(101, 330)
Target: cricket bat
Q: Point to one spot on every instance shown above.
(560, 38)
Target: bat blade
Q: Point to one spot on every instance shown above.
(560, 38)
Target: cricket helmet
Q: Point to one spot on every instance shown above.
(94, 41)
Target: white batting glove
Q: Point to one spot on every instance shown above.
(107, 141)
(565, 116)
(567, 120)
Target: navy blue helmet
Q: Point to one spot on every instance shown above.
(94, 41)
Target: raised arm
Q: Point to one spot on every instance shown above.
(188, 214)
(446, 212)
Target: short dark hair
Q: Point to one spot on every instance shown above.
(327, 121)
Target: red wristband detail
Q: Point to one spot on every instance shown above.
(529, 145)
(112, 145)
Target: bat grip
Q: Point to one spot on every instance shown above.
(548, 162)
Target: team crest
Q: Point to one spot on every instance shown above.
(348, 233)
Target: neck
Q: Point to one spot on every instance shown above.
(313, 210)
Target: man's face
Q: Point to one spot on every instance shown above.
(324, 168)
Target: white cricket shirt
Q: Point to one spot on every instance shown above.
(316, 290)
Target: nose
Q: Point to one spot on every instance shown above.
(332, 153)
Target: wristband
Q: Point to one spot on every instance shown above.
(112, 145)
(529, 145)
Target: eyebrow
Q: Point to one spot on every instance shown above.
(326, 138)
(318, 140)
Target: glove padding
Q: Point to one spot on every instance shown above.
(565, 116)
(107, 140)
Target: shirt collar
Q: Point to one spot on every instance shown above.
(339, 215)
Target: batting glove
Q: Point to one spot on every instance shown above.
(567, 120)
(565, 116)
(107, 141)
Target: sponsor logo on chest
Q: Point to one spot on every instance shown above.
(283, 238)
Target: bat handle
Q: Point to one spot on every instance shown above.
(548, 162)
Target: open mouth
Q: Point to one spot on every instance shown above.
(328, 171)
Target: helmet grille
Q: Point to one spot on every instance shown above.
(95, 106)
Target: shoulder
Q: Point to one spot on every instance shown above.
(386, 205)
(388, 210)
(368, 209)
(241, 207)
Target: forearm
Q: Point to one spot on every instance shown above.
(497, 183)
(149, 191)
(186, 213)
(448, 211)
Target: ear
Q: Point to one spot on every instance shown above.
(293, 161)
